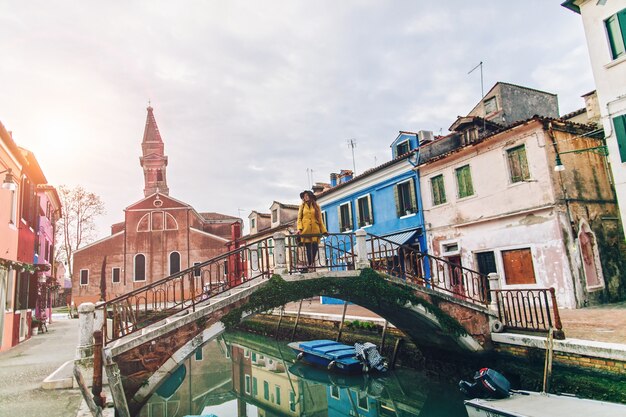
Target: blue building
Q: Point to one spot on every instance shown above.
(384, 201)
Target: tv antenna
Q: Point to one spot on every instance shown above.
(482, 89)
(352, 144)
(309, 175)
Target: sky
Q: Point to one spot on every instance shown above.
(255, 98)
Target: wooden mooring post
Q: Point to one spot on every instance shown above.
(343, 319)
(96, 388)
(382, 337)
(280, 319)
(295, 325)
(396, 349)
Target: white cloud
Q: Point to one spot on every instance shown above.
(249, 95)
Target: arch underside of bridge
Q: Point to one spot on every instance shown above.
(429, 319)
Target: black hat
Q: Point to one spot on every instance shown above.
(310, 193)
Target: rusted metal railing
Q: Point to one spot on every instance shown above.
(532, 309)
(335, 252)
(139, 308)
(416, 267)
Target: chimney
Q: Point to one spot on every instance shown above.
(345, 175)
(333, 179)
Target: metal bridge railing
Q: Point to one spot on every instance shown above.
(408, 263)
(144, 306)
(529, 310)
(335, 252)
(518, 309)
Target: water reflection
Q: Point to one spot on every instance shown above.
(246, 376)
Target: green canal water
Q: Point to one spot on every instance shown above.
(246, 374)
(242, 374)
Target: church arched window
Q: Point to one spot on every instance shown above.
(139, 267)
(174, 262)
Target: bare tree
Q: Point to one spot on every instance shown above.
(76, 226)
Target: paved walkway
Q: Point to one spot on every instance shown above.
(24, 367)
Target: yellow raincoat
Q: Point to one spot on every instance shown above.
(310, 223)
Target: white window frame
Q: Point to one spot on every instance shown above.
(341, 230)
(80, 278)
(247, 384)
(370, 206)
(325, 219)
(13, 214)
(411, 183)
(113, 274)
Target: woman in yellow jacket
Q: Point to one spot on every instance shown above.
(310, 223)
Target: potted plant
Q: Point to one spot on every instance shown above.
(34, 326)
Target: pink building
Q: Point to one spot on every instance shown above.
(20, 220)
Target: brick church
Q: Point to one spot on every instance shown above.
(158, 237)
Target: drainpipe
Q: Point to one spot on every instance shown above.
(572, 232)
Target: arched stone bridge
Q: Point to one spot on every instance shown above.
(141, 361)
(150, 331)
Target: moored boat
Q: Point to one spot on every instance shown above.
(535, 404)
(363, 357)
(332, 355)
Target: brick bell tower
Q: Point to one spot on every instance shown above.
(153, 159)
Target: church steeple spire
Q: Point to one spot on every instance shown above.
(153, 159)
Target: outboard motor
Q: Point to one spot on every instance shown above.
(369, 357)
(487, 384)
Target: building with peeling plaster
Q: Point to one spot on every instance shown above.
(494, 203)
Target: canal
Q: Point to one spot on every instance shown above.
(245, 374)
(242, 374)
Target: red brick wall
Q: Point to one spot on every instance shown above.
(157, 245)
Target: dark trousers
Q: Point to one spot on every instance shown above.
(311, 252)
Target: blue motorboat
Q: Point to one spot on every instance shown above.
(338, 357)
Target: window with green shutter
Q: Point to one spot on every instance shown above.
(616, 33)
(518, 164)
(406, 202)
(464, 181)
(402, 148)
(620, 132)
(364, 211)
(345, 217)
(438, 189)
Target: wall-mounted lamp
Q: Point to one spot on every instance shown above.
(8, 183)
(600, 150)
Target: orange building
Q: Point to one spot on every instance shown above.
(159, 236)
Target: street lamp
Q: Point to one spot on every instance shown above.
(8, 183)
(600, 150)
